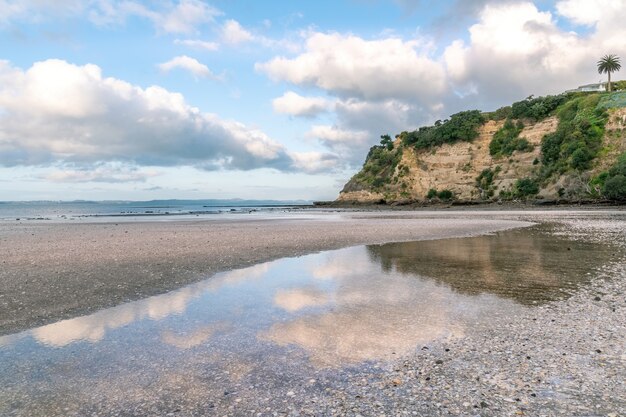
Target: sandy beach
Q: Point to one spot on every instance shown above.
(53, 271)
(348, 341)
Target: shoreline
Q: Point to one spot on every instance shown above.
(505, 205)
(56, 271)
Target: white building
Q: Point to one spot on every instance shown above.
(598, 87)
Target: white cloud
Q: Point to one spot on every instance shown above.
(314, 162)
(107, 172)
(56, 112)
(297, 105)
(233, 33)
(349, 145)
(189, 64)
(389, 116)
(181, 16)
(583, 12)
(335, 135)
(198, 44)
(186, 16)
(379, 85)
(38, 10)
(516, 50)
(349, 66)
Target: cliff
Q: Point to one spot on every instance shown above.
(558, 147)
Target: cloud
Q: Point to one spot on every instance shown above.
(182, 16)
(384, 117)
(349, 145)
(515, 50)
(351, 67)
(108, 172)
(379, 86)
(56, 112)
(186, 16)
(198, 44)
(606, 17)
(189, 64)
(332, 134)
(38, 10)
(296, 105)
(316, 162)
(233, 33)
(582, 12)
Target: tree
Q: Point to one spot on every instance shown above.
(609, 64)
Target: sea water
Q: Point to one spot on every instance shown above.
(77, 210)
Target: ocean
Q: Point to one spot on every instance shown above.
(76, 210)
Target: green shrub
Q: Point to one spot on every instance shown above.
(536, 108)
(581, 158)
(500, 114)
(386, 142)
(525, 187)
(614, 100)
(445, 195)
(578, 137)
(506, 194)
(432, 193)
(484, 182)
(460, 127)
(614, 186)
(506, 140)
(380, 164)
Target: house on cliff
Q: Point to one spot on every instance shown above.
(588, 88)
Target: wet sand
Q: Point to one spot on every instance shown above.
(53, 271)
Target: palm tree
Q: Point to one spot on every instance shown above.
(609, 64)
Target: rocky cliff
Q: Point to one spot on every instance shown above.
(559, 147)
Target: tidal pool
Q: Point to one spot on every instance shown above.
(286, 322)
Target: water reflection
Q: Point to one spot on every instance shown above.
(299, 298)
(191, 339)
(92, 328)
(373, 314)
(331, 303)
(529, 266)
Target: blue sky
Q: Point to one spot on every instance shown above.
(111, 99)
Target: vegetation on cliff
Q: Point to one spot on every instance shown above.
(485, 182)
(379, 167)
(461, 126)
(578, 138)
(507, 140)
(613, 182)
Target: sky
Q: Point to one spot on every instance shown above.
(190, 99)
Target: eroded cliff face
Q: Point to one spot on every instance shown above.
(455, 167)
